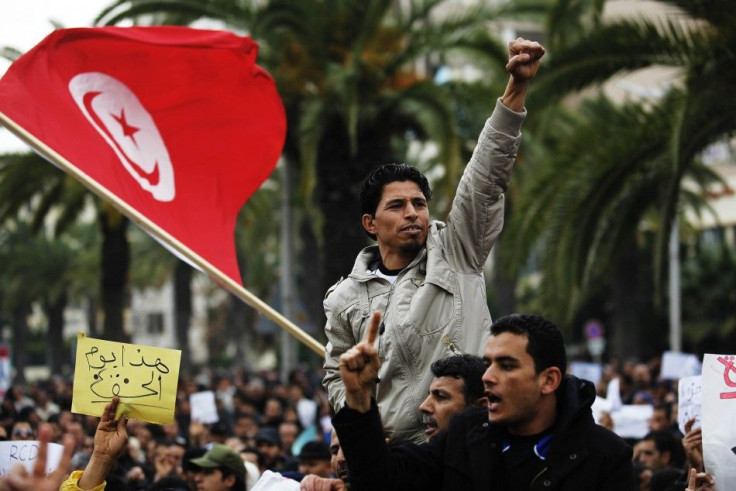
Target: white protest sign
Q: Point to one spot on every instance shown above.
(613, 394)
(678, 365)
(26, 452)
(632, 420)
(600, 406)
(690, 391)
(203, 407)
(587, 371)
(6, 375)
(273, 481)
(718, 406)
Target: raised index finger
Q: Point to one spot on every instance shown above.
(372, 332)
(44, 435)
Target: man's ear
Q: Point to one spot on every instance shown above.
(229, 481)
(551, 379)
(367, 221)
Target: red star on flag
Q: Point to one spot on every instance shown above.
(128, 129)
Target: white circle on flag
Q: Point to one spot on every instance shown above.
(128, 128)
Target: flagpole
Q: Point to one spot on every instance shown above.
(215, 274)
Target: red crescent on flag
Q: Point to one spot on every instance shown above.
(152, 177)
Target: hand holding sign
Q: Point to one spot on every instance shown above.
(111, 438)
(693, 445)
(359, 368)
(143, 377)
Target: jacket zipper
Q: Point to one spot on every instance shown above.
(531, 484)
(383, 321)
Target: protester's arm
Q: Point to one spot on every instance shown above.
(693, 445)
(476, 216)
(18, 478)
(523, 64)
(110, 440)
(358, 424)
(359, 368)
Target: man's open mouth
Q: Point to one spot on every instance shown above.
(430, 425)
(493, 400)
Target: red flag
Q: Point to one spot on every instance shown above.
(179, 124)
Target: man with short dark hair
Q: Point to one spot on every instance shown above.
(537, 432)
(427, 276)
(659, 449)
(219, 469)
(268, 443)
(456, 386)
(315, 459)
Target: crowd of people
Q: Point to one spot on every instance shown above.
(286, 427)
(421, 389)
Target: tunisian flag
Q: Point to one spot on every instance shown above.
(178, 124)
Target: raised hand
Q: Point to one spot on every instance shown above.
(700, 481)
(693, 445)
(524, 56)
(359, 368)
(18, 479)
(111, 437)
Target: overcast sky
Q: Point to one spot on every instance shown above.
(24, 23)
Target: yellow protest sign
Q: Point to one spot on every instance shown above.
(144, 377)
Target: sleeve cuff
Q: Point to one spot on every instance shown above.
(72, 483)
(505, 120)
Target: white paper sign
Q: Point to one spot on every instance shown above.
(26, 452)
(678, 365)
(587, 371)
(600, 406)
(718, 406)
(632, 420)
(273, 481)
(613, 394)
(203, 407)
(690, 391)
(6, 375)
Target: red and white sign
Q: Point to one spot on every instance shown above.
(718, 407)
(178, 123)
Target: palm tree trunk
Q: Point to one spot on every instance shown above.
(183, 311)
(55, 342)
(114, 272)
(20, 330)
(310, 279)
(626, 321)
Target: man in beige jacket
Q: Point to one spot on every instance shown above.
(426, 277)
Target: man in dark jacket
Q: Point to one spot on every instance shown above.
(537, 432)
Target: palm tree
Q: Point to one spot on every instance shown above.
(29, 184)
(613, 170)
(348, 74)
(44, 270)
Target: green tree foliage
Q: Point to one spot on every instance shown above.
(30, 185)
(348, 74)
(608, 171)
